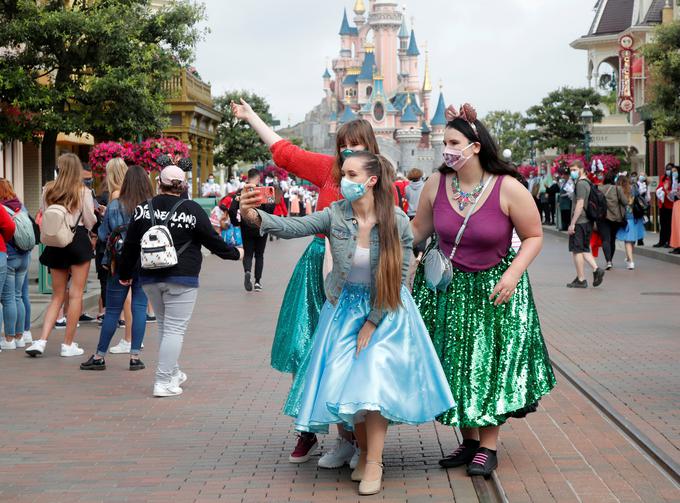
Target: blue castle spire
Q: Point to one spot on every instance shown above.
(439, 118)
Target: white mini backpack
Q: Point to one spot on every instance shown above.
(158, 249)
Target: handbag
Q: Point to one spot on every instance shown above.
(438, 268)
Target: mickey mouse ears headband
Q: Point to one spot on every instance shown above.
(466, 112)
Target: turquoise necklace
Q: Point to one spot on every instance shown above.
(464, 199)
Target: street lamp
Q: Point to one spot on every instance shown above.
(507, 154)
(587, 123)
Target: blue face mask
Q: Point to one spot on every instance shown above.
(574, 175)
(352, 190)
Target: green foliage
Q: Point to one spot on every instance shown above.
(558, 117)
(663, 58)
(508, 128)
(236, 141)
(96, 67)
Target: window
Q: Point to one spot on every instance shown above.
(369, 91)
(379, 111)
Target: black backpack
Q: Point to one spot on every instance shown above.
(596, 205)
(640, 207)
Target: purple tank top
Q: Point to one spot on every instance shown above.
(488, 235)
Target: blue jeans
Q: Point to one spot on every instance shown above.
(14, 311)
(3, 276)
(27, 300)
(115, 298)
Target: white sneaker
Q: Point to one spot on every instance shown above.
(20, 342)
(179, 378)
(122, 347)
(166, 389)
(37, 348)
(72, 350)
(28, 337)
(630, 265)
(5, 344)
(339, 456)
(355, 459)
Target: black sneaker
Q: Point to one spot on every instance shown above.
(121, 323)
(60, 323)
(484, 463)
(658, 245)
(258, 287)
(578, 284)
(461, 456)
(136, 364)
(641, 242)
(675, 251)
(598, 277)
(100, 319)
(151, 318)
(86, 318)
(93, 364)
(247, 283)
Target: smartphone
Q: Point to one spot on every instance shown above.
(267, 195)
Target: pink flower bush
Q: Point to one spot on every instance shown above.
(143, 154)
(526, 170)
(273, 170)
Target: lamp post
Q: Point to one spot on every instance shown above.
(587, 123)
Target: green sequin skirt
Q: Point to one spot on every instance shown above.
(494, 357)
(300, 310)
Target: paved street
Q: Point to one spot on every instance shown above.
(85, 436)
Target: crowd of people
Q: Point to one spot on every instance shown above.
(463, 346)
(369, 342)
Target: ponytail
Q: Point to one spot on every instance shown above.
(388, 278)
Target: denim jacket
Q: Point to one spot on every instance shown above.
(338, 223)
(114, 217)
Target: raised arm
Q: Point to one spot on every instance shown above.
(311, 166)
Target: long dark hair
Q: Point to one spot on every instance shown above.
(356, 132)
(488, 154)
(388, 279)
(136, 188)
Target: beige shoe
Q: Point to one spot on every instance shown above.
(369, 487)
(357, 475)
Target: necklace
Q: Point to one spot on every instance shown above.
(465, 198)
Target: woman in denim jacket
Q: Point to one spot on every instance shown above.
(372, 361)
(135, 190)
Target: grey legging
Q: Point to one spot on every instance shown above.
(173, 305)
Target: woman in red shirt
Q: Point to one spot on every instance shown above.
(665, 208)
(305, 295)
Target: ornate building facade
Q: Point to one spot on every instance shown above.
(376, 77)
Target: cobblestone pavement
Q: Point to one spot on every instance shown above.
(70, 435)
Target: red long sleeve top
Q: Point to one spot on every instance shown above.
(310, 166)
(665, 183)
(7, 229)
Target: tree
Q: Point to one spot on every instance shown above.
(509, 130)
(663, 58)
(96, 67)
(558, 117)
(236, 141)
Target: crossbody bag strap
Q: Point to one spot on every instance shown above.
(461, 231)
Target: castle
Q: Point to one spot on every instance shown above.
(375, 77)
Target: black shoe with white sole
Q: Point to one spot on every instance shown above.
(93, 364)
(247, 282)
(484, 463)
(136, 364)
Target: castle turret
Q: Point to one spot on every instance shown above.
(385, 20)
(412, 54)
(345, 37)
(409, 137)
(403, 46)
(438, 126)
(427, 88)
(365, 78)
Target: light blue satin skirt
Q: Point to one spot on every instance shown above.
(398, 374)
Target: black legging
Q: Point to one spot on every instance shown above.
(608, 230)
(665, 219)
(253, 246)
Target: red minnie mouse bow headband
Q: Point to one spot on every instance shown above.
(466, 112)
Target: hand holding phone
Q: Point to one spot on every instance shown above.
(266, 194)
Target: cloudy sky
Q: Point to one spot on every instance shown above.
(495, 54)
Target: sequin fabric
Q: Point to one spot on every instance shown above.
(494, 358)
(300, 310)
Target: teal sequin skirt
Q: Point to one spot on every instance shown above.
(300, 310)
(494, 357)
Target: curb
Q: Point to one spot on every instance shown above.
(642, 251)
(90, 300)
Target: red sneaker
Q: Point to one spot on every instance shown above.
(306, 446)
